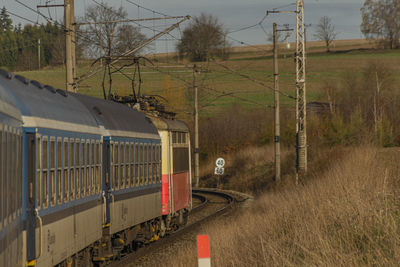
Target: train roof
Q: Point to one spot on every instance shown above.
(119, 119)
(164, 124)
(8, 105)
(44, 106)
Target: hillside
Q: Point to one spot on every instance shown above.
(322, 69)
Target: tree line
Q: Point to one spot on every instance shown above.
(19, 44)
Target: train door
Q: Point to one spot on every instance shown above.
(106, 180)
(32, 236)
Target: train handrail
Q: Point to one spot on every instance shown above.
(40, 233)
(113, 205)
(104, 208)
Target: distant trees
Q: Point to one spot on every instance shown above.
(109, 38)
(325, 31)
(19, 44)
(381, 21)
(128, 38)
(204, 38)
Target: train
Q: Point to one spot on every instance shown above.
(83, 180)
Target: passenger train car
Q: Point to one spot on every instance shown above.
(83, 179)
(176, 175)
(11, 204)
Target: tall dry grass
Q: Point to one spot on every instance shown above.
(347, 215)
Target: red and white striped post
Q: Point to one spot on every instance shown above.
(203, 251)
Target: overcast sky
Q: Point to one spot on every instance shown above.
(233, 14)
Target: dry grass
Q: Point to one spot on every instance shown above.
(344, 216)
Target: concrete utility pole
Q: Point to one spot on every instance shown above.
(196, 127)
(276, 108)
(39, 53)
(68, 46)
(301, 104)
(73, 45)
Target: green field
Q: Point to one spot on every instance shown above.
(323, 70)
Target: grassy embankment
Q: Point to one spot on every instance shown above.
(345, 214)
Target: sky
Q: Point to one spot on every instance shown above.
(233, 14)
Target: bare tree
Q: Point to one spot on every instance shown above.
(128, 37)
(109, 38)
(325, 31)
(204, 37)
(381, 21)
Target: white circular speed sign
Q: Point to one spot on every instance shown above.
(220, 162)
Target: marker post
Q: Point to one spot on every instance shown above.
(203, 251)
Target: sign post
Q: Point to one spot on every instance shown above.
(219, 169)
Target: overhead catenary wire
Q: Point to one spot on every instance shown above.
(145, 8)
(227, 94)
(253, 80)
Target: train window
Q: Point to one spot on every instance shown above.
(20, 174)
(45, 177)
(141, 167)
(77, 169)
(59, 170)
(92, 163)
(71, 169)
(155, 148)
(154, 163)
(137, 161)
(145, 164)
(112, 165)
(12, 174)
(38, 172)
(179, 138)
(122, 164)
(127, 165)
(132, 165)
(15, 175)
(65, 171)
(159, 164)
(3, 159)
(98, 166)
(87, 167)
(174, 137)
(1, 176)
(148, 165)
(184, 135)
(52, 171)
(116, 166)
(5, 174)
(151, 163)
(82, 166)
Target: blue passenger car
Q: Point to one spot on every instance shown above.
(80, 177)
(11, 222)
(63, 207)
(132, 166)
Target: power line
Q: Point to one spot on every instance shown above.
(248, 44)
(253, 80)
(145, 8)
(18, 16)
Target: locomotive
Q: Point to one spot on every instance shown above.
(83, 180)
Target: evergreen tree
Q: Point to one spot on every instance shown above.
(5, 21)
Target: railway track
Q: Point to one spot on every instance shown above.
(208, 204)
